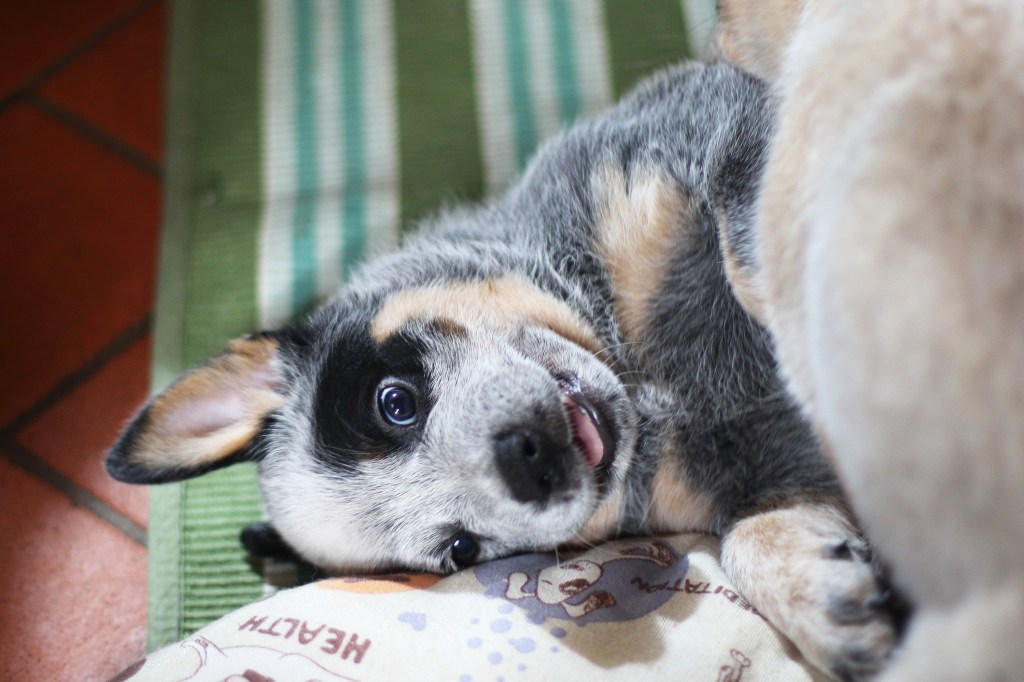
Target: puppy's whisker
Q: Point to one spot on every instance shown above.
(607, 350)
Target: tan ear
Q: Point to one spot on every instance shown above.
(741, 267)
(754, 34)
(205, 420)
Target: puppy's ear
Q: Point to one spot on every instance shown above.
(754, 34)
(740, 263)
(205, 420)
(736, 162)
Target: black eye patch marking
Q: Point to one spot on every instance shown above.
(374, 397)
(364, 391)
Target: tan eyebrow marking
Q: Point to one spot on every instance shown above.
(504, 302)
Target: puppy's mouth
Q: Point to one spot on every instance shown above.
(591, 433)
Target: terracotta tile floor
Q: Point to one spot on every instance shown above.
(81, 148)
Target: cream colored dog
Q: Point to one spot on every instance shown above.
(888, 262)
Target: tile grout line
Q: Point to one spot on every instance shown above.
(76, 51)
(96, 134)
(75, 379)
(28, 461)
(32, 463)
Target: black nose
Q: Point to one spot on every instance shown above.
(529, 463)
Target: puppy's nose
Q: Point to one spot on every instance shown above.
(529, 463)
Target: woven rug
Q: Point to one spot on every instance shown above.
(306, 135)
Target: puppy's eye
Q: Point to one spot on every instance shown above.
(397, 405)
(464, 550)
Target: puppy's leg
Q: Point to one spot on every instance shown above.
(806, 569)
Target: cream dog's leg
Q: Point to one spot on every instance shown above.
(891, 244)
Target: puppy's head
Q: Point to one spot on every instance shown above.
(430, 427)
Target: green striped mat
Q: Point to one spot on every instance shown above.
(305, 135)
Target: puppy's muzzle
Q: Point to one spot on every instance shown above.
(530, 463)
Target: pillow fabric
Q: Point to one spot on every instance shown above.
(629, 609)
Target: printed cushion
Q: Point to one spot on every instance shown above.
(649, 609)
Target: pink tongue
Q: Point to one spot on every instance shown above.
(587, 435)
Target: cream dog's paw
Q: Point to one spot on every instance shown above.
(808, 572)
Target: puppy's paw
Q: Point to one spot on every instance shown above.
(809, 573)
(858, 630)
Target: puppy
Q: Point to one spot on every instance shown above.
(887, 259)
(559, 366)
